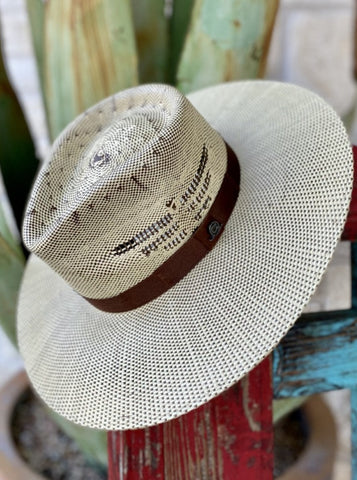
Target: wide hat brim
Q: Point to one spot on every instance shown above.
(149, 365)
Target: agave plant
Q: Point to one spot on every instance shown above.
(88, 50)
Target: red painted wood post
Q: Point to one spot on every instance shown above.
(350, 230)
(228, 438)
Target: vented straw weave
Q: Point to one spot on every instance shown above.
(123, 169)
(130, 370)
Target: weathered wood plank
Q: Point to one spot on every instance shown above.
(229, 437)
(89, 54)
(317, 355)
(350, 230)
(226, 41)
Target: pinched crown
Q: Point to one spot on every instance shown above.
(127, 183)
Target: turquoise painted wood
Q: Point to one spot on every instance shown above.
(320, 354)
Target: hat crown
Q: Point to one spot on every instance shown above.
(119, 144)
(126, 184)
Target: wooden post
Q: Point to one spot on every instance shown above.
(350, 230)
(229, 437)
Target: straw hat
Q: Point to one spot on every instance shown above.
(163, 268)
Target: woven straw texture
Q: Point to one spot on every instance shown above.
(146, 366)
(122, 168)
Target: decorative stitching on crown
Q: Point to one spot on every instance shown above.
(197, 178)
(192, 188)
(201, 193)
(176, 241)
(175, 234)
(206, 205)
(163, 238)
(143, 236)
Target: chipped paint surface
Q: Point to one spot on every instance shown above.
(248, 408)
(318, 354)
(217, 441)
(350, 230)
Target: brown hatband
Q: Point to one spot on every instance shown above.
(187, 256)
